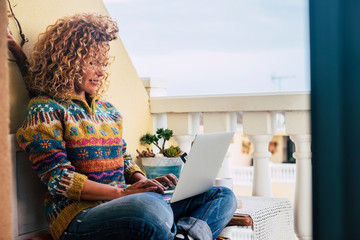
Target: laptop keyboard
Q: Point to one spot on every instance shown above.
(167, 195)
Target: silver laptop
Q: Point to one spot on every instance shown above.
(202, 165)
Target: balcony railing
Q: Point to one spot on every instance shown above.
(259, 111)
(279, 173)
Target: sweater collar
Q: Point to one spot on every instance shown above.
(92, 100)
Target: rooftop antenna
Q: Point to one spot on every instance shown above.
(277, 79)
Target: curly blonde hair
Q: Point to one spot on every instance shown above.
(62, 52)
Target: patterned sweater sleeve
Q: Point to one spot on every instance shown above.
(41, 134)
(130, 166)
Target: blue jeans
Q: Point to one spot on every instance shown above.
(147, 216)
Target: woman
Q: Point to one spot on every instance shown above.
(76, 147)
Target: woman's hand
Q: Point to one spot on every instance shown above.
(167, 180)
(98, 191)
(159, 185)
(10, 39)
(17, 52)
(145, 185)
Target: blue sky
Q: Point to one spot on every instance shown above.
(217, 47)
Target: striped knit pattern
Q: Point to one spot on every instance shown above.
(69, 142)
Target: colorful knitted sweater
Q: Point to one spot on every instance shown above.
(69, 142)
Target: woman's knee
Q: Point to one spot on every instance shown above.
(154, 214)
(228, 197)
(152, 204)
(143, 214)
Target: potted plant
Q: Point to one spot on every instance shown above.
(167, 161)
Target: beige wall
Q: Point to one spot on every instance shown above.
(5, 163)
(126, 91)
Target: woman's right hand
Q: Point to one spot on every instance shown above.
(17, 52)
(10, 39)
(145, 185)
(98, 191)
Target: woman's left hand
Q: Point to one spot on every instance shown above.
(145, 185)
(167, 179)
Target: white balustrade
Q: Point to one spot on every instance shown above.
(259, 111)
(280, 173)
(185, 126)
(243, 176)
(283, 172)
(259, 128)
(155, 87)
(298, 127)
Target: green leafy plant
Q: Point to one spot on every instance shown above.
(154, 139)
(172, 151)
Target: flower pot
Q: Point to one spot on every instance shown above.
(156, 167)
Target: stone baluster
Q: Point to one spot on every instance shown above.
(221, 122)
(298, 128)
(260, 128)
(184, 126)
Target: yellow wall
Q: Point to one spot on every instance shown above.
(126, 90)
(5, 160)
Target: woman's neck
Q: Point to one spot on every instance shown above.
(87, 97)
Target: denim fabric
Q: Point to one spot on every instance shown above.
(147, 216)
(137, 216)
(204, 216)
